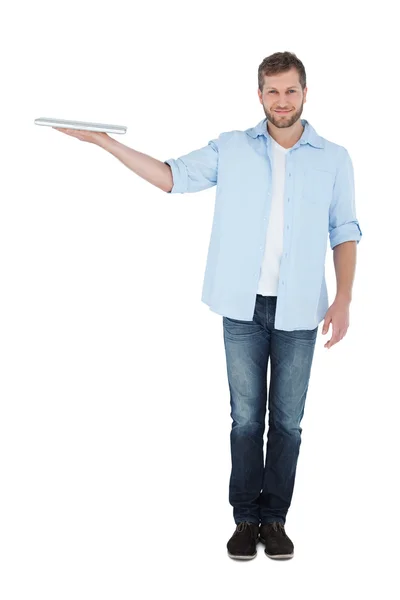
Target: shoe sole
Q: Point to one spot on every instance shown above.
(277, 556)
(240, 557)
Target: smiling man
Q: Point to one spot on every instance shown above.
(281, 191)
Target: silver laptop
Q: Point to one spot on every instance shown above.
(86, 125)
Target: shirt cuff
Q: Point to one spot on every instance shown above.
(179, 176)
(348, 232)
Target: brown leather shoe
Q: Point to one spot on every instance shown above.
(277, 543)
(243, 543)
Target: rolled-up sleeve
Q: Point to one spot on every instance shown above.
(343, 224)
(195, 171)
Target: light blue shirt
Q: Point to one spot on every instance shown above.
(319, 201)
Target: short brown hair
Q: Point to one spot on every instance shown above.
(279, 63)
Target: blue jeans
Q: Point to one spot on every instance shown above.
(258, 493)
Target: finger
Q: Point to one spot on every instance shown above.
(326, 326)
(334, 339)
(67, 131)
(340, 335)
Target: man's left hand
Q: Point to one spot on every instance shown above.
(338, 314)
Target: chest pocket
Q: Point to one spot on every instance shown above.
(317, 187)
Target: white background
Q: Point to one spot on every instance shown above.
(114, 424)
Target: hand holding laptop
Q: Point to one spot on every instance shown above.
(93, 137)
(85, 131)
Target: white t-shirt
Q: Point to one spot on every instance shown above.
(269, 276)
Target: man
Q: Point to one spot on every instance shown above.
(281, 190)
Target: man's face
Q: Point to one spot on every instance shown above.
(283, 91)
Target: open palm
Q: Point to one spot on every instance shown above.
(93, 137)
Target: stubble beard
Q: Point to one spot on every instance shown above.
(283, 121)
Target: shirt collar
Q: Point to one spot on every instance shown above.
(309, 135)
